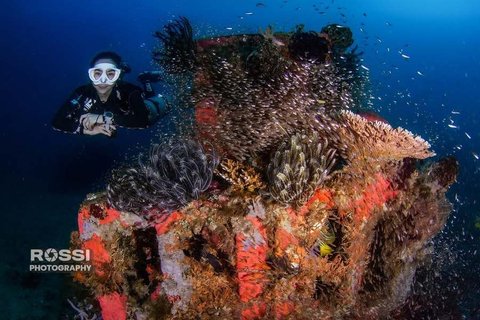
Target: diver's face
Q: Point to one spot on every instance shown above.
(105, 88)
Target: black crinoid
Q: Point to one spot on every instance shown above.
(177, 51)
(299, 167)
(174, 174)
(308, 46)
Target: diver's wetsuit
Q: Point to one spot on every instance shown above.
(125, 103)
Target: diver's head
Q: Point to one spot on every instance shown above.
(105, 69)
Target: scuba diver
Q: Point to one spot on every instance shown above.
(108, 102)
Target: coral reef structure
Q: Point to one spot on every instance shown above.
(314, 212)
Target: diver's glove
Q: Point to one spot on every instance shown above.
(93, 124)
(101, 129)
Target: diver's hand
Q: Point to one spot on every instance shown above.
(90, 120)
(107, 130)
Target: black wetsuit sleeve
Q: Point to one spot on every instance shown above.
(137, 115)
(67, 118)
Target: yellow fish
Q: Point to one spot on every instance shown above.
(325, 246)
(477, 223)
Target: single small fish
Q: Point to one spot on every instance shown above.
(248, 13)
(455, 112)
(468, 136)
(419, 73)
(452, 126)
(229, 28)
(404, 56)
(363, 67)
(260, 5)
(364, 14)
(475, 155)
(278, 43)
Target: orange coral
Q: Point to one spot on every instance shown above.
(163, 226)
(251, 266)
(205, 112)
(282, 310)
(99, 254)
(322, 195)
(283, 239)
(375, 195)
(114, 306)
(110, 216)
(83, 215)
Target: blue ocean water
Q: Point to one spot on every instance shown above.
(45, 50)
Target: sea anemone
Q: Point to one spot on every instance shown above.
(299, 167)
(174, 174)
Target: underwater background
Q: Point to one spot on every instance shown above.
(424, 64)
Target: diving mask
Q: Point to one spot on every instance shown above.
(104, 73)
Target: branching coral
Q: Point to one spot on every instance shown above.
(174, 174)
(378, 140)
(241, 176)
(81, 312)
(299, 167)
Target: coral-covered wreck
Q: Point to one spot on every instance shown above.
(283, 204)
